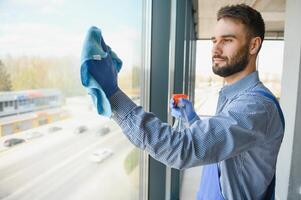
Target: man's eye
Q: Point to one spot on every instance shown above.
(228, 40)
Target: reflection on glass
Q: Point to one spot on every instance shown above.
(53, 145)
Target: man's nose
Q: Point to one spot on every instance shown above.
(216, 49)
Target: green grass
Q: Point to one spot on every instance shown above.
(131, 161)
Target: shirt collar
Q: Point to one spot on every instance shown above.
(240, 85)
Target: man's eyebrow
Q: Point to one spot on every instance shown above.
(225, 36)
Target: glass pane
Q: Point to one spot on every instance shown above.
(207, 84)
(270, 70)
(207, 87)
(53, 145)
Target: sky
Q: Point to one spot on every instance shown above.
(57, 28)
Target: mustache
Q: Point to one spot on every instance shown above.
(220, 57)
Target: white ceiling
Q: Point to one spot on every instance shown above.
(272, 12)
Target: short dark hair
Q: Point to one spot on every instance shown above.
(250, 17)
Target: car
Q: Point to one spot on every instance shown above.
(54, 129)
(103, 131)
(80, 129)
(101, 155)
(13, 141)
(32, 135)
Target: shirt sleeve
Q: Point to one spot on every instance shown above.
(209, 140)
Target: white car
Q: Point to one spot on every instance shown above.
(80, 129)
(100, 155)
(54, 129)
(32, 135)
(103, 131)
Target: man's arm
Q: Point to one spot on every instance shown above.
(206, 141)
(210, 140)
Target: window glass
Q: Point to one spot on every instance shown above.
(270, 70)
(53, 145)
(207, 84)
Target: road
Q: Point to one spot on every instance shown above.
(57, 166)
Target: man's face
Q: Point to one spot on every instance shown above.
(230, 52)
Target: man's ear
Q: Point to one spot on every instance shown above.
(255, 45)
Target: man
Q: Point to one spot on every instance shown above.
(240, 143)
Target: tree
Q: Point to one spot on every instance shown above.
(5, 80)
(33, 72)
(136, 77)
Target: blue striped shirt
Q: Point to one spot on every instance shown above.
(243, 137)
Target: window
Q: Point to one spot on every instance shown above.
(207, 84)
(40, 47)
(270, 70)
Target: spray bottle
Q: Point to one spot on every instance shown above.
(180, 123)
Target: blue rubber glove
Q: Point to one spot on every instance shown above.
(186, 106)
(104, 72)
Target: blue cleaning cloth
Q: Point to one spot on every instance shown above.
(94, 48)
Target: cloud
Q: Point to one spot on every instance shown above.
(37, 3)
(49, 40)
(126, 43)
(39, 6)
(38, 39)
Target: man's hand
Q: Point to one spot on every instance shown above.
(186, 106)
(104, 72)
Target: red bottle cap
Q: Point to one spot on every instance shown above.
(177, 97)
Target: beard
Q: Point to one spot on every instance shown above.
(234, 64)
